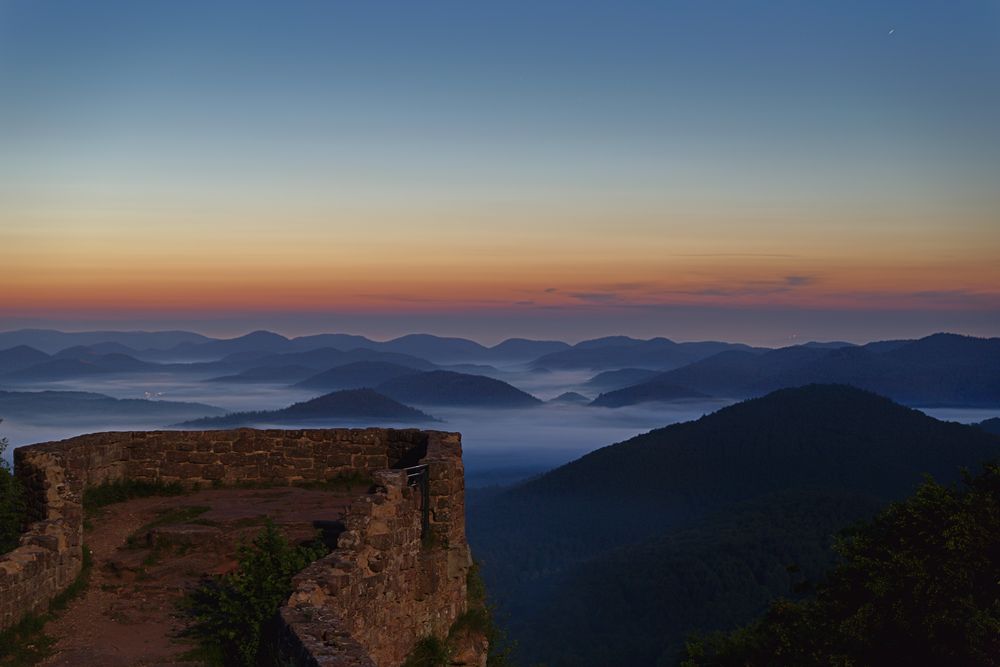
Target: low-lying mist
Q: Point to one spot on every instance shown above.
(500, 445)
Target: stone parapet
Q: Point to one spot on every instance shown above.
(392, 580)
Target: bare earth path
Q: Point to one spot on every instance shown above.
(128, 615)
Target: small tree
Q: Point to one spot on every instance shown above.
(12, 504)
(920, 584)
(230, 611)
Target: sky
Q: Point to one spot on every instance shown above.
(759, 171)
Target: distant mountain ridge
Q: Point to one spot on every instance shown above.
(991, 425)
(20, 357)
(356, 375)
(52, 341)
(353, 406)
(48, 407)
(939, 370)
(622, 352)
(456, 389)
(824, 440)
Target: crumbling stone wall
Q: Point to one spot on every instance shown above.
(50, 556)
(389, 582)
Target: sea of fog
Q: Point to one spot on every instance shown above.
(500, 445)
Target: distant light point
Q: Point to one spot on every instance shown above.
(892, 30)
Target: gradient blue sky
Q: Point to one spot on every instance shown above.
(742, 170)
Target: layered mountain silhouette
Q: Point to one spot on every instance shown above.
(439, 349)
(350, 406)
(81, 362)
(325, 358)
(356, 375)
(819, 454)
(52, 341)
(456, 389)
(255, 341)
(570, 398)
(619, 379)
(990, 425)
(939, 370)
(20, 357)
(622, 352)
(522, 349)
(267, 374)
(647, 392)
(48, 407)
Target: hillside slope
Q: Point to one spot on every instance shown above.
(350, 406)
(830, 438)
(456, 389)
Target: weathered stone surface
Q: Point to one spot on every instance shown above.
(364, 605)
(401, 587)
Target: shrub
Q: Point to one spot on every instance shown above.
(229, 612)
(13, 508)
(430, 651)
(919, 584)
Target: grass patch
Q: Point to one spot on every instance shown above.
(26, 643)
(165, 518)
(249, 522)
(108, 493)
(209, 655)
(13, 506)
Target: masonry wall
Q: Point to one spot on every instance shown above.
(50, 556)
(384, 587)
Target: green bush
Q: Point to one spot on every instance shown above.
(918, 585)
(13, 508)
(229, 612)
(95, 497)
(430, 651)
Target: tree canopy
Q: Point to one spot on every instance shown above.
(920, 584)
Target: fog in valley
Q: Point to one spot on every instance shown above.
(500, 445)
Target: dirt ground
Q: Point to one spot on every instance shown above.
(128, 615)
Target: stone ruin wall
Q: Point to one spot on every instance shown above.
(384, 587)
(387, 582)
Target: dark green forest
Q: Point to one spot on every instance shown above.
(920, 584)
(12, 504)
(614, 558)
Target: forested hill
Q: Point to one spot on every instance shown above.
(825, 439)
(456, 389)
(636, 605)
(814, 435)
(348, 406)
